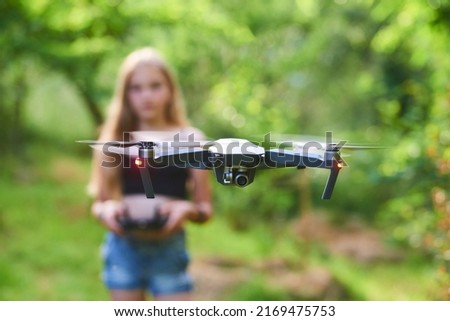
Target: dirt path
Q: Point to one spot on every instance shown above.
(217, 278)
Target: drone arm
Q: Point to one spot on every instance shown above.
(146, 179)
(279, 158)
(334, 162)
(330, 183)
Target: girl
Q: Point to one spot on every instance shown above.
(147, 98)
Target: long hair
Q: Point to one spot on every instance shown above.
(105, 182)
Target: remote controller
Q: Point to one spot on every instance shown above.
(154, 223)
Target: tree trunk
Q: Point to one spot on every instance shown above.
(91, 104)
(18, 102)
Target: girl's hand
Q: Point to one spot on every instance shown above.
(107, 213)
(177, 212)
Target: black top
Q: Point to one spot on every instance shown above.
(168, 181)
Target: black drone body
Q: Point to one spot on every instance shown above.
(234, 161)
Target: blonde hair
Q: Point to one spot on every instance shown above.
(105, 182)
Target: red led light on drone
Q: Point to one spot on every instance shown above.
(138, 162)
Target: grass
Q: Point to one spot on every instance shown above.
(49, 242)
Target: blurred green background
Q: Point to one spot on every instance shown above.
(367, 70)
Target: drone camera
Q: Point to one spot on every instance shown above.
(241, 179)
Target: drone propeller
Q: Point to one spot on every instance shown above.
(347, 146)
(315, 142)
(112, 143)
(170, 135)
(146, 144)
(132, 151)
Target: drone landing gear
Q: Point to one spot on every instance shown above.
(145, 153)
(146, 181)
(330, 183)
(334, 162)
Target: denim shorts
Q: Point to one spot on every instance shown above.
(156, 266)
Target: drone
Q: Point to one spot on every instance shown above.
(234, 161)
